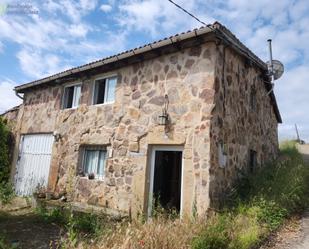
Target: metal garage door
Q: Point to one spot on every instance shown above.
(32, 169)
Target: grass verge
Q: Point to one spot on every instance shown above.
(260, 204)
(78, 226)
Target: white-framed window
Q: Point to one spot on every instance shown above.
(94, 160)
(72, 95)
(104, 90)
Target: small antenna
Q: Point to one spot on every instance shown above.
(275, 68)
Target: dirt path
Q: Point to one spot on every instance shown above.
(27, 231)
(302, 237)
(293, 235)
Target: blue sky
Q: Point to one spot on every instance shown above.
(67, 33)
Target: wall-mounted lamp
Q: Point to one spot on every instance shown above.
(57, 136)
(164, 118)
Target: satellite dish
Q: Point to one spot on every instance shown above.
(277, 68)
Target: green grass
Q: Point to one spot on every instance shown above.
(6, 188)
(77, 225)
(6, 192)
(260, 204)
(4, 244)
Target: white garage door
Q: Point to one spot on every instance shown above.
(32, 169)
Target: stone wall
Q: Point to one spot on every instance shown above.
(129, 128)
(208, 88)
(234, 123)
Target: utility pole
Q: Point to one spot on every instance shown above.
(298, 138)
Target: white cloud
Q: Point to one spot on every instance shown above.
(106, 7)
(88, 5)
(1, 47)
(42, 39)
(8, 99)
(159, 18)
(74, 10)
(292, 93)
(37, 33)
(37, 65)
(78, 30)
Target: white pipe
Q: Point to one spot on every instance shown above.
(271, 67)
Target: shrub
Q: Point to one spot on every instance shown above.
(6, 188)
(6, 192)
(4, 152)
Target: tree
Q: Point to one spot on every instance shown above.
(4, 152)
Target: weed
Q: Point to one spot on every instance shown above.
(77, 225)
(215, 235)
(6, 192)
(4, 244)
(259, 204)
(54, 215)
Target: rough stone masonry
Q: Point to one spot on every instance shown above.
(209, 85)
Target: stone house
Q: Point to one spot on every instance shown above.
(175, 121)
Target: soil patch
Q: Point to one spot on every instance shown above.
(28, 230)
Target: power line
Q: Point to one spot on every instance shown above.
(178, 6)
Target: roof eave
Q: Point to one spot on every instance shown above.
(109, 60)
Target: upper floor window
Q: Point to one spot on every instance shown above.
(104, 90)
(72, 96)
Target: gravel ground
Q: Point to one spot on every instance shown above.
(287, 236)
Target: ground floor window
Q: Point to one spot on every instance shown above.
(94, 161)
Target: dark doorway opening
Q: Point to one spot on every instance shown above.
(167, 180)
